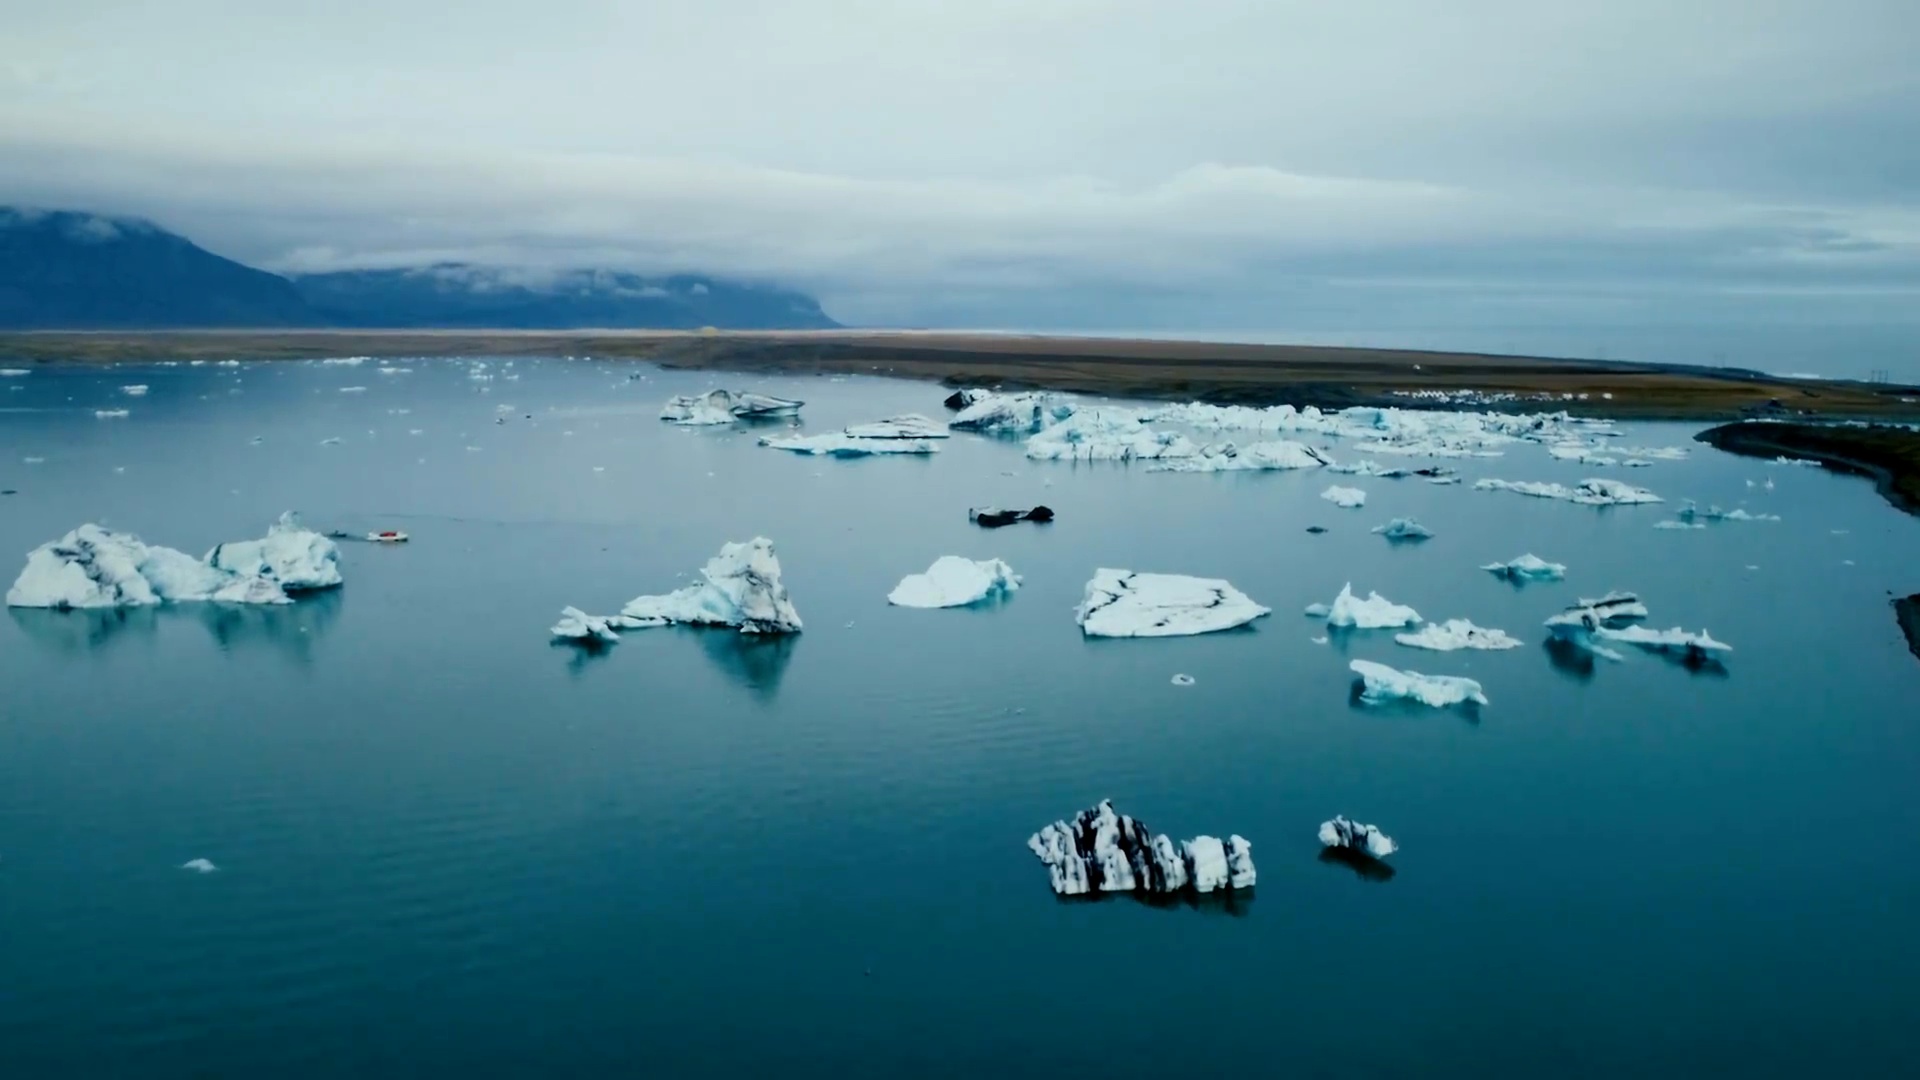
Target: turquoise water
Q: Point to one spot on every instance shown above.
(449, 848)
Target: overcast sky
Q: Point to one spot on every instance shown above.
(1019, 162)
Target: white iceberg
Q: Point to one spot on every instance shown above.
(724, 407)
(1104, 851)
(1594, 492)
(92, 567)
(1455, 634)
(1674, 525)
(1121, 603)
(1182, 680)
(1260, 456)
(954, 582)
(292, 556)
(1528, 567)
(1380, 683)
(904, 426)
(1367, 839)
(1106, 434)
(1404, 529)
(577, 625)
(1690, 514)
(1349, 498)
(199, 866)
(840, 444)
(739, 587)
(1676, 640)
(134, 390)
(1376, 612)
(112, 414)
(1011, 414)
(14, 373)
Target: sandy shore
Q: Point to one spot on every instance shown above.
(1167, 370)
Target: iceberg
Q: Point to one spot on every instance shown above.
(92, 567)
(1616, 606)
(1527, 567)
(992, 517)
(1366, 839)
(1121, 603)
(199, 866)
(724, 407)
(964, 397)
(291, 555)
(1107, 435)
(577, 625)
(112, 414)
(1349, 498)
(1011, 414)
(1379, 683)
(1586, 492)
(904, 426)
(1679, 524)
(1260, 456)
(955, 582)
(1455, 634)
(134, 390)
(1691, 514)
(1376, 612)
(840, 444)
(1104, 851)
(1404, 529)
(1698, 646)
(739, 587)
(1181, 679)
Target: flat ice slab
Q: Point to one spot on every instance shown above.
(92, 567)
(1595, 492)
(1376, 612)
(841, 444)
(1010, 414)
(1350, 498)
(1104, 851)
(1456, 634)
(725, 406)
(955, 582)
(1121, 603)
(1528, 567)
(904, 426)
(1404, 529)
(199, 866)
(1380, 683)
(1261, 456)
(1108, 434)
(1675, 640)
(739, 587)
(1367, 839)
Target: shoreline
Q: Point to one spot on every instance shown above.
(1889, 456)
(1218, 373)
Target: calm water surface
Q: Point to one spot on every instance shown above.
(449, 848)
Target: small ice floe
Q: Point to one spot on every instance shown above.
(1365, 839)
(1321, 640)
(1011, 414)
(1349, 498)
(1107, 434)
(1692, 647)
(199, 866)
(1104, 851)
(14, 373)
(33, 461)
(1527, 567)
(1615, 607)
(1121, 603)
(134, 390)
(1376, 612)
(390, 370)
(1672, 524)
(1378, 683)
(1785, 460)
(992, 517)
(1581, 454)
(344, 361)
(331, 440)
(839, 444)
(1278, 454)
(112, 414)
(1690, 512)
(576, 625)
(1593, 492)
(1455, 634)
(955, 582)
(353, 389)
(724, 407)
(904, 426)
(1182, 680)
(739, 587)
(92, 567)
(1443, 480)
(1401, 529)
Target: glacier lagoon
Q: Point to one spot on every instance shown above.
(440, 838)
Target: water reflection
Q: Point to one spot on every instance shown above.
(1362, 864)
(1580, 663)
(755, 661)
(288, 628)
(1569, 659)
(85, 630)
(1234, 903)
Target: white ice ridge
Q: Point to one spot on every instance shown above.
(1586, 492)
(1581, 453)
(1586, 622)
(577, 625)
(1691, 514)
(1011, 414)
(1380, 683)
(724, 407)
(841, 444)
(134, 390)
(199, 866)
(739, 587)
(1433, 474)
(1107, 434)
(1349, 498)
(904, 426)
(1104, 851)
(1404, 529)
(1121, 603)
(1391, 430)
(1226, 457)
(1376, 612)
(92, 567)
(1367, 839)
(291, 555)
(954, 582)
(1527, 567)
(1675, 640)
(1456, 634)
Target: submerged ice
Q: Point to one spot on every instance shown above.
(1101, 850)
(955, 582)
(1121, 603)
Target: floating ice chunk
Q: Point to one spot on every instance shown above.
(1011, 414)
(1679, 524)
(1581, 453)
(1692, 646)
(1380, 683)
(1528, 567)
(1107, 434)
(353, 389)
(1785, 460)
(955, 582)
(1321, 640)
(92, 567)
(332, 440)
(199, 866)
(904, 426)
(1182, 680)
(1404, 529)
(1366, 839)
(1103, 851)
(14, 373)
(134, 390)
(739, 587)
(1376, 612)
(577, 625)
(964, 397)
(1349, 498)
(1318, 611)
(837, 444)
(1614, 607)
(1121, 603)
(112, 414)
(724, 407)
(1261, 456)
(1455, 634)
(291, 555)
(992, 517)
(348, 361)
(33, 461)
(1691, 513)
(1593, 492)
